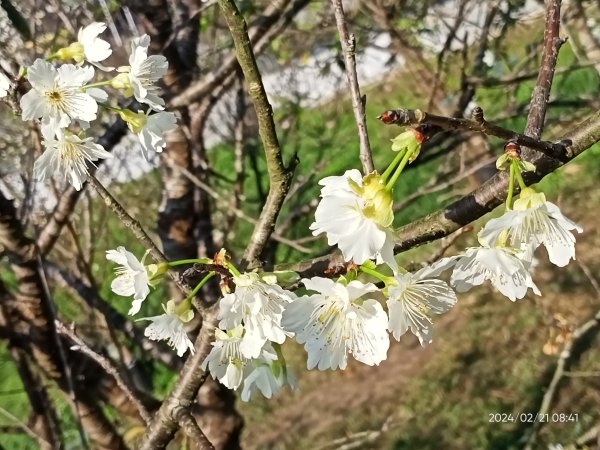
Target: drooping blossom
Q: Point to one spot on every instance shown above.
(258, 304)
(533, 221)
(68, 155)
(356, 214)
(337, 321)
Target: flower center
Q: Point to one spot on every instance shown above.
(56, 97)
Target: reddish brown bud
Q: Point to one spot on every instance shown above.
(513, 149)
(388, 117)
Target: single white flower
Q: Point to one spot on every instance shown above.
(4, 85)
(140, 77)
(133, 277)
(67, 154)
(336, 321)
(94, 48)
(88, 47)
(356, 214)
(258, 305)
(534, 221)
(56, 96)
(170, 327)
(412, 301)
(266, 375)
(225, 361)
(500, 265)
(150, 128)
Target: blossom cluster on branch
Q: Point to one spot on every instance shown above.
(354, 314)
(351, 315)
(64, 99)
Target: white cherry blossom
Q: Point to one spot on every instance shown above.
(133, 277)
(266, 375)
(170, 327)
(534, 221)
(336, 321)
(258, 304)
(150, 129)
(227, 363)
(140, 77)
(500, 265)
(67, 154)
(56, 96)
(414, 298)
(356, 214)
(94, 48)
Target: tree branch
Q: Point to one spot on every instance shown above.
(348, 42)
(106, 365)
(164, 423)
(541, 92)
(280, 177)
(403, 116)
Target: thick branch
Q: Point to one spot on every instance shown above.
(402, 116)
(164, 423)
(280, 176)
(348, 42)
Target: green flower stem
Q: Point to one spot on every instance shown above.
(199, 286)
(233, 269)
(98, 83)
(181, 262)
(399, 169)
(387, 280)
(511, 186)
(393, 164)
(518, 174)
(110, 108)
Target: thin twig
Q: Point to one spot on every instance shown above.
(401, 116)
(127, 220)
(47, 296)
(280, 176)
(541, 92)
(23, 426)
(348, 42)
(106, 365)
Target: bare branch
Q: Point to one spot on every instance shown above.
(402, 116)
(106, 365)
(541, 91)
(280, 177)
(348, 42)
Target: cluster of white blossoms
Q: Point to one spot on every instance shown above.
(65, 100)
(335, 319)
